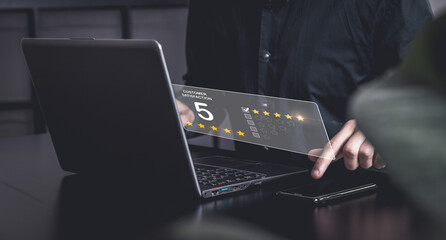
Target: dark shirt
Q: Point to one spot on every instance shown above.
(315, 50)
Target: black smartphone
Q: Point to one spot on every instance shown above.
(328, 190)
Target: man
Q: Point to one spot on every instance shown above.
(315, 50)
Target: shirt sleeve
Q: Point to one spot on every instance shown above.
(396, 25)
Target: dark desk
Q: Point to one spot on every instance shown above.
(40, 201)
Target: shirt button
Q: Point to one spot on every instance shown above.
(266, 55)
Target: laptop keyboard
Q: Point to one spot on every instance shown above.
(209, 177)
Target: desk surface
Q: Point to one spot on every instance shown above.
(38, 200)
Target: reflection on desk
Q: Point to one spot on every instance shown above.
(40, 201)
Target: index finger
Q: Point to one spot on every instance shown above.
(322, 162)
(333, 148)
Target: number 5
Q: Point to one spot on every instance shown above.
(198, 106)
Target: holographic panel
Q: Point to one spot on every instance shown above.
(280, 123)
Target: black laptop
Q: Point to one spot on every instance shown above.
(110, 109)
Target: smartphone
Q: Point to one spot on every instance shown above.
(328, 190)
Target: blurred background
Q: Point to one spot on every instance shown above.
(163, 20)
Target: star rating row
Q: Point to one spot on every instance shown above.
(278, 115)
(215, 129)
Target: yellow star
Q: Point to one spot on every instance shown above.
(189, 124)
(288, 116)
(227, 130)
(240, 133)
(201, 125)
(300, 118)
(255, 111)
(277, 115)
(214, 128)
(266, 113)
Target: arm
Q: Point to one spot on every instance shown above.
(395, 27)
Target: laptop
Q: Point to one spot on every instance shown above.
(110, 110)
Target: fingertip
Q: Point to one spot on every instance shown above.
(381, 167)
(315, 173)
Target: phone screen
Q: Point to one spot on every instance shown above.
(328, 187)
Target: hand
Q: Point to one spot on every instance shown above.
(186, 114)
(350, 144)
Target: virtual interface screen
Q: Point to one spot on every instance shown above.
(280, 123)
